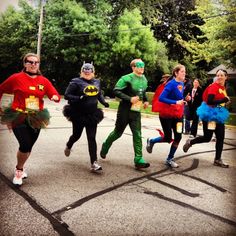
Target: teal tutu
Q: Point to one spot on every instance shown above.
(208, 113)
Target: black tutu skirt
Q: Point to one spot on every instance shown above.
(92, 118)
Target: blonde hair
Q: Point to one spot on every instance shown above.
(30, 55)
(177, 69)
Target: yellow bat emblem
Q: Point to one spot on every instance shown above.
(91, 90)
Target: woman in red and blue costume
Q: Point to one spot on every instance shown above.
(26, 114)
(212, 110)
(171, 108)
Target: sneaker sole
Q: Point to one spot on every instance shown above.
(169, 165)
(220, 165)
(102, 156)
(16, 183)
(142, 165)
(96, 171)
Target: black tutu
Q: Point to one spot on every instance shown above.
(67, 112)
(84, 119)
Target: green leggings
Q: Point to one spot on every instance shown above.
(133, 119)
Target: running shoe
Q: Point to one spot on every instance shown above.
(149, 146)
(67, 151)
(96, 167)
(18, 176)
(220, 163)
(187, 145)
(172, 164)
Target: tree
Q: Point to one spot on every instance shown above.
(136, 40)
(132, 40)
(72, 35)
(74, 32)
(168, 19)
(218, 42)
(18, 35)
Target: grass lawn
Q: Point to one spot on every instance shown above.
(114, 105)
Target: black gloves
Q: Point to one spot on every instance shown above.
(106, 104)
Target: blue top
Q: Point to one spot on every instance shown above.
(172, 92)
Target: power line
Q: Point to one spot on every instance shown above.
(144, 27)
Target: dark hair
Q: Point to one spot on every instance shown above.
(225, 72)
(198, 80)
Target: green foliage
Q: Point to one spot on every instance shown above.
(18, 30)
(218, 43)
(135, 40)
(112, 33)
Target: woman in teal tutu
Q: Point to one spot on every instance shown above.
(213, 114)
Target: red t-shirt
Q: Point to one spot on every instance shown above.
(218, 90)
(23, 87)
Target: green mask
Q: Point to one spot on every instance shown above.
(139, 64)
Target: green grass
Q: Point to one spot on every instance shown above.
(113, 104)
(231, 120)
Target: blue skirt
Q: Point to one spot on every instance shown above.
(208, 113)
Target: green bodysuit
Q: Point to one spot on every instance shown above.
(128, 86)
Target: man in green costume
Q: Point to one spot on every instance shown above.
(131, 89)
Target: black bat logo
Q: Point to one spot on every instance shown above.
(91, 90)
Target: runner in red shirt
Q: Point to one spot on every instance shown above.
(26, 115)
(213, 114)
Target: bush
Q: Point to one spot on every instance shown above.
(232, 105)
(150, 97)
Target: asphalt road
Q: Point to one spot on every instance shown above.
(62, 197)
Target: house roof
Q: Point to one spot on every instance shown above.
(230, 71)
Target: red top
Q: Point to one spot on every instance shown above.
(218, 90)
(23, 86)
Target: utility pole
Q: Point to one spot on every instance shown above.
(40, 28)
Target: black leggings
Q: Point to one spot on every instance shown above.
(220, 135)
(91, 131)
(26, 137)
(169, 124)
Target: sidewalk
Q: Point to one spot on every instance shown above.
(62, 197)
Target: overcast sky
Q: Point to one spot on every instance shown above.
(5, 3)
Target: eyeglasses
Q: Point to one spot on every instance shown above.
(32, 62)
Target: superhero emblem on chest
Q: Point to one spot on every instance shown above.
(180, 88)
(41, 87)
(91, 90)
(221, 91)
(32, 88)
